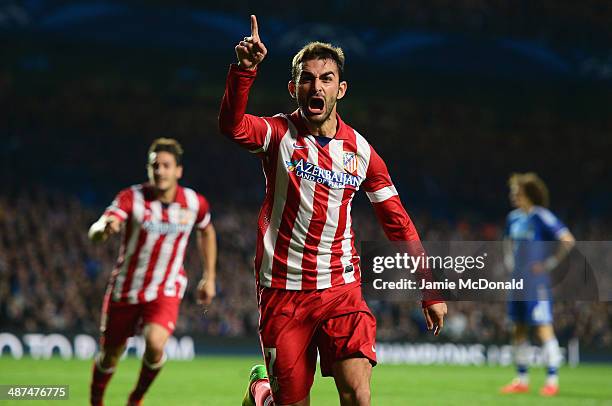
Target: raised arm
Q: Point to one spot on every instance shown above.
(251, 51)
(251, 132)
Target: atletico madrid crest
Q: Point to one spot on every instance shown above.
(349, 162)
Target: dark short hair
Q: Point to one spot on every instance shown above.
(533, 186)
(167, 145)
(317, 50)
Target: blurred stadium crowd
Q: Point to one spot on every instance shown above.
(53, 279)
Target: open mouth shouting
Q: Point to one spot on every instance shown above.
(316, 105)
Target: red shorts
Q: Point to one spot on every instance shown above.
(293, 325)
(122, 320)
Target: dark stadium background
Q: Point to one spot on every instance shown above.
(455, 95)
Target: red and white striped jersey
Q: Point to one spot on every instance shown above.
(150, 262)
(305, 237)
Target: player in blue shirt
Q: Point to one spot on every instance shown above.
(531, 258)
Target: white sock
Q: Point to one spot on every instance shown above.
(552, 358)
(521, 357)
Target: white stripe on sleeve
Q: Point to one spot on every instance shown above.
(205, 221)
(382, 194)
(264, 147)
(114, 209)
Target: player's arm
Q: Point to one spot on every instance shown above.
(562, 234)
(114, 215)
(566, 244)
(106, 226)
(207, 244)
(251, 132)
(398, 226)
(251, 51)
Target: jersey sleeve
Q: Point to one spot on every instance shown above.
(256, 134)
(394, 219)
(121, 206)
(388, 207)
(551, 223)
(203, 218)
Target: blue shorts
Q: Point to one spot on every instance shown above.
(531, 312)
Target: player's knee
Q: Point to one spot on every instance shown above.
(356, 395)
(154, 350)
(359, 397)
(362, 395)
(353, 381)
(110, 356)
(355, 392)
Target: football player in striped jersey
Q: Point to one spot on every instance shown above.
(148, 281)
(306, 265)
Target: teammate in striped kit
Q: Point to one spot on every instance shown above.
(148, 281)
(306, 265)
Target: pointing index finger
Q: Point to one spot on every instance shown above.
(254, 28)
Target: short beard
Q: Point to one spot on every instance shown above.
(316, 119)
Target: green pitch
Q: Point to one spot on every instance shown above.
(221, 381)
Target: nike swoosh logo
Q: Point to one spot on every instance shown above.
(373, 349)
(296, 146)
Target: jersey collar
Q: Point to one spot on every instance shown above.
(149, 195)
(342, 132)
